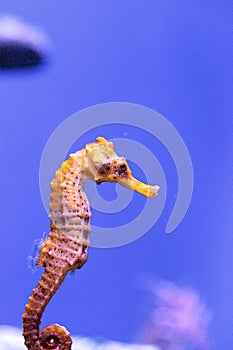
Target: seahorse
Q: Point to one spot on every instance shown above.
(66, 248)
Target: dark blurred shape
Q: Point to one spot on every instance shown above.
(21, 45)
(179, 319)
(14, 55)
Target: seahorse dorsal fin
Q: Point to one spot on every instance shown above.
(33, 258)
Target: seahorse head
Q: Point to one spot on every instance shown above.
(103, 165)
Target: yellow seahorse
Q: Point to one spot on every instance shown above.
(66, 247)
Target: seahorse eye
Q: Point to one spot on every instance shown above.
(122, 169)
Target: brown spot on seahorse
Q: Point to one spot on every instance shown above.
(66, 248)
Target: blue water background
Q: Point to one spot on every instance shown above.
(172, 56)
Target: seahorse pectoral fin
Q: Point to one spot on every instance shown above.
(138, 186)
